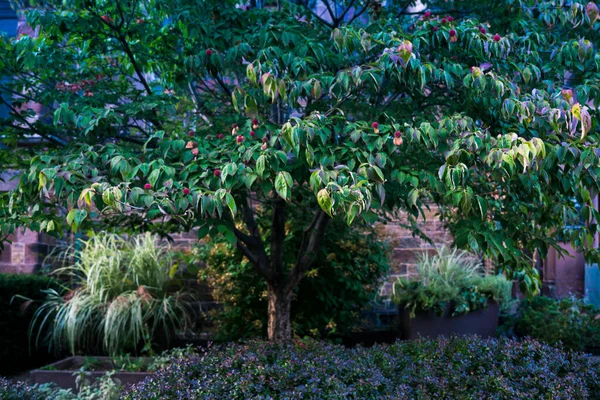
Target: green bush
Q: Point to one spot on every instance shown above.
(450, 278)
(15, 317)
(329, 299)
(121, 299)
(570, 321)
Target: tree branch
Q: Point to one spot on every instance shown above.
(277, 237)
(311, 245)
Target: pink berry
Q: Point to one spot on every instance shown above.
(221, 136)
(497, 38)
(254, 121)
(186, 191)
(240, 139)
(147, 186)
(482, 30)
(191, 133)
(252, 133)
(217, 172)
(397, 134)
(435, 29)
(374, 125)
(209, 52)
(444, 20)
(450, 19)
(452, 32)
(427, 14)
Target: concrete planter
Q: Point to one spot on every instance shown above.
(482, 322)
(63, 373)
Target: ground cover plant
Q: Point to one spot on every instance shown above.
(168, 115)
(456, 368)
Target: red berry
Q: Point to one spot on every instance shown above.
(191, 133)
(217, 172)
(497, 38)
(397, 134)
(147, 186)
(444, 20)
(482, 30)
(240, 139)
(254, 121)
(221, 136)
(252, 133)
(427, 14)
(209, 52)
(449, 19)
(435, 29)
(106, 19)
(374, 125)
(452, 32)
(186, 191)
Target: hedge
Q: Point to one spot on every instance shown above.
(15, 316)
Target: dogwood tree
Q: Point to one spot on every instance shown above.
(169, 115)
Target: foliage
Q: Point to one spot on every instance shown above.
(15, 317)
(121, 297)
(414, 369)
(569, 321)
(327, 302)
(106, 388)
(171, 356)
(490, 112)
(450, 278)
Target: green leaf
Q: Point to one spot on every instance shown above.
(231, 203)
(325, 201)
(260, 165)
(281, 186)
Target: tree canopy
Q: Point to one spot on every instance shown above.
(168, 115)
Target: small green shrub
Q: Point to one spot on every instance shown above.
(329, 299)
(105, 388)
(569, 321)
(16, 315)
(450, 278)
(121, 298)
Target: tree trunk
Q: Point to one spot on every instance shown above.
(280, 328)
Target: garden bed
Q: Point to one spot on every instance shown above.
(64, 373)
(483, 322)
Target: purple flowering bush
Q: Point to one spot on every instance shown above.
(455, 368)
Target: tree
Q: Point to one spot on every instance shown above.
(171, 115)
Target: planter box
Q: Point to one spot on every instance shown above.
(62, 372)
(428, 324)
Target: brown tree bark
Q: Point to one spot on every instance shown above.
(280, 325)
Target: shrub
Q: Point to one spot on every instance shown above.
(455, 368)
(121, 297)
(329, 299)
(569, 321)
(15, 317)
(450, 278)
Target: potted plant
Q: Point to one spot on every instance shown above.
(451, 295)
